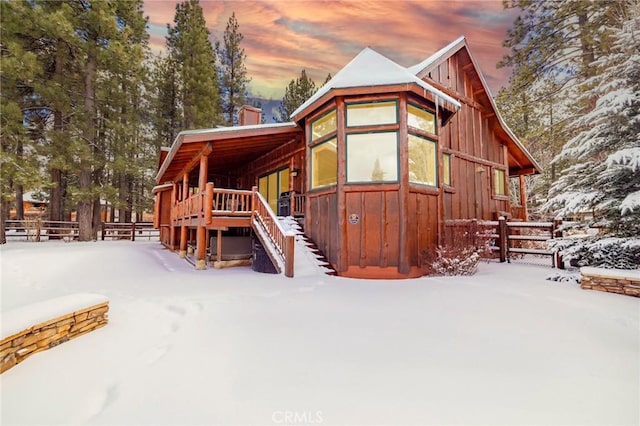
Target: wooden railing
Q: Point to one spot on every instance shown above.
(215, 202)
(298, 202)
(232, 202)
(266, 223)
(506, 238)
(38, 230)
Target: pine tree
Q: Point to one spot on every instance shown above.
(233, 72)
(295, 94)
(166, 113)
(192, 55)
(82, 93)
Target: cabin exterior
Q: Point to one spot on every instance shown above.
(374, 165)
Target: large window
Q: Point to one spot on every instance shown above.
(324, 164)
(421, 119)
(372, 157)
(323, 125)
(499, 185)
(422, 161)
(273, 185)
(372, 114)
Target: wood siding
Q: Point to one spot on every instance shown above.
(474, 146)
(290, 155)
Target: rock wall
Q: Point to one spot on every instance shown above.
(611, 280)
(44, 335)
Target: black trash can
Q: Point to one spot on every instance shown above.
(261, 261)
(284, 204)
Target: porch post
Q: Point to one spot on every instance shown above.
(201, 233)
(183, 227)
(172, 216)
(523, 196)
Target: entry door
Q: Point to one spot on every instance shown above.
(272, 185)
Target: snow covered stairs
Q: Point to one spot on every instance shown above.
(308, 257)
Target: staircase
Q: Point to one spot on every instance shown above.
(308, 256)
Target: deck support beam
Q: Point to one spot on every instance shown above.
(201, 232)
(183, 227)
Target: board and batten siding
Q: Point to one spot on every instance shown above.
(472, 143)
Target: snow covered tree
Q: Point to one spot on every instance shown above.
(553, 46)
(233, 72)
(603, 176)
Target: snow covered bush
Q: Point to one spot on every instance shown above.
(611, 252)
(456, 260)
(564, 277)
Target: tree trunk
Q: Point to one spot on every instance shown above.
(56, 195)
(19, 202)
(3, 216)
(85, 205)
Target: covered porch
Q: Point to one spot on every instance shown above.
(208, 191)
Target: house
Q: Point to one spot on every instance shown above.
(374, 164)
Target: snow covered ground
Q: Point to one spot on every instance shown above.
(237, 347)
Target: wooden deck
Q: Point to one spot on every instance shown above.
(220, 209)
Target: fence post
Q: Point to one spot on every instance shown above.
(38, 229)
(102, 231)
(557, 257)
(133, 231)
(504, 238)
(473, 233)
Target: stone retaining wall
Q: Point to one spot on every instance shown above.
(18, 346)
(611, 280)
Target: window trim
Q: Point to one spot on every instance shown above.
(371, 102)
(412, 129)
(346, 159)
(326, 136)
(317, 145)
(436, 151)
(494, 192)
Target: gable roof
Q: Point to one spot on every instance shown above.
(422, 69)
(371, 69)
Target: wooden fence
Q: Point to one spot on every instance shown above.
(39, 230)
(506, 240)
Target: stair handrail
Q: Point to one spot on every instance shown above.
(283, 241)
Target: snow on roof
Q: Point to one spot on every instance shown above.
(433, 58)
(371, 69)
(33, 197)
(453, 47)
(236, 128)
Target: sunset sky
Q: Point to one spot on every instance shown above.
(283, 37)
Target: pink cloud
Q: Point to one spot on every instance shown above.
(283, 37)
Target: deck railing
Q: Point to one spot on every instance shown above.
(298, 202)
(232, 202)
(220, 202)
(282, 241)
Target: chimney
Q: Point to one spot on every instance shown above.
(249, 115)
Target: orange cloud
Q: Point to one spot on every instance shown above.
(283, 37)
